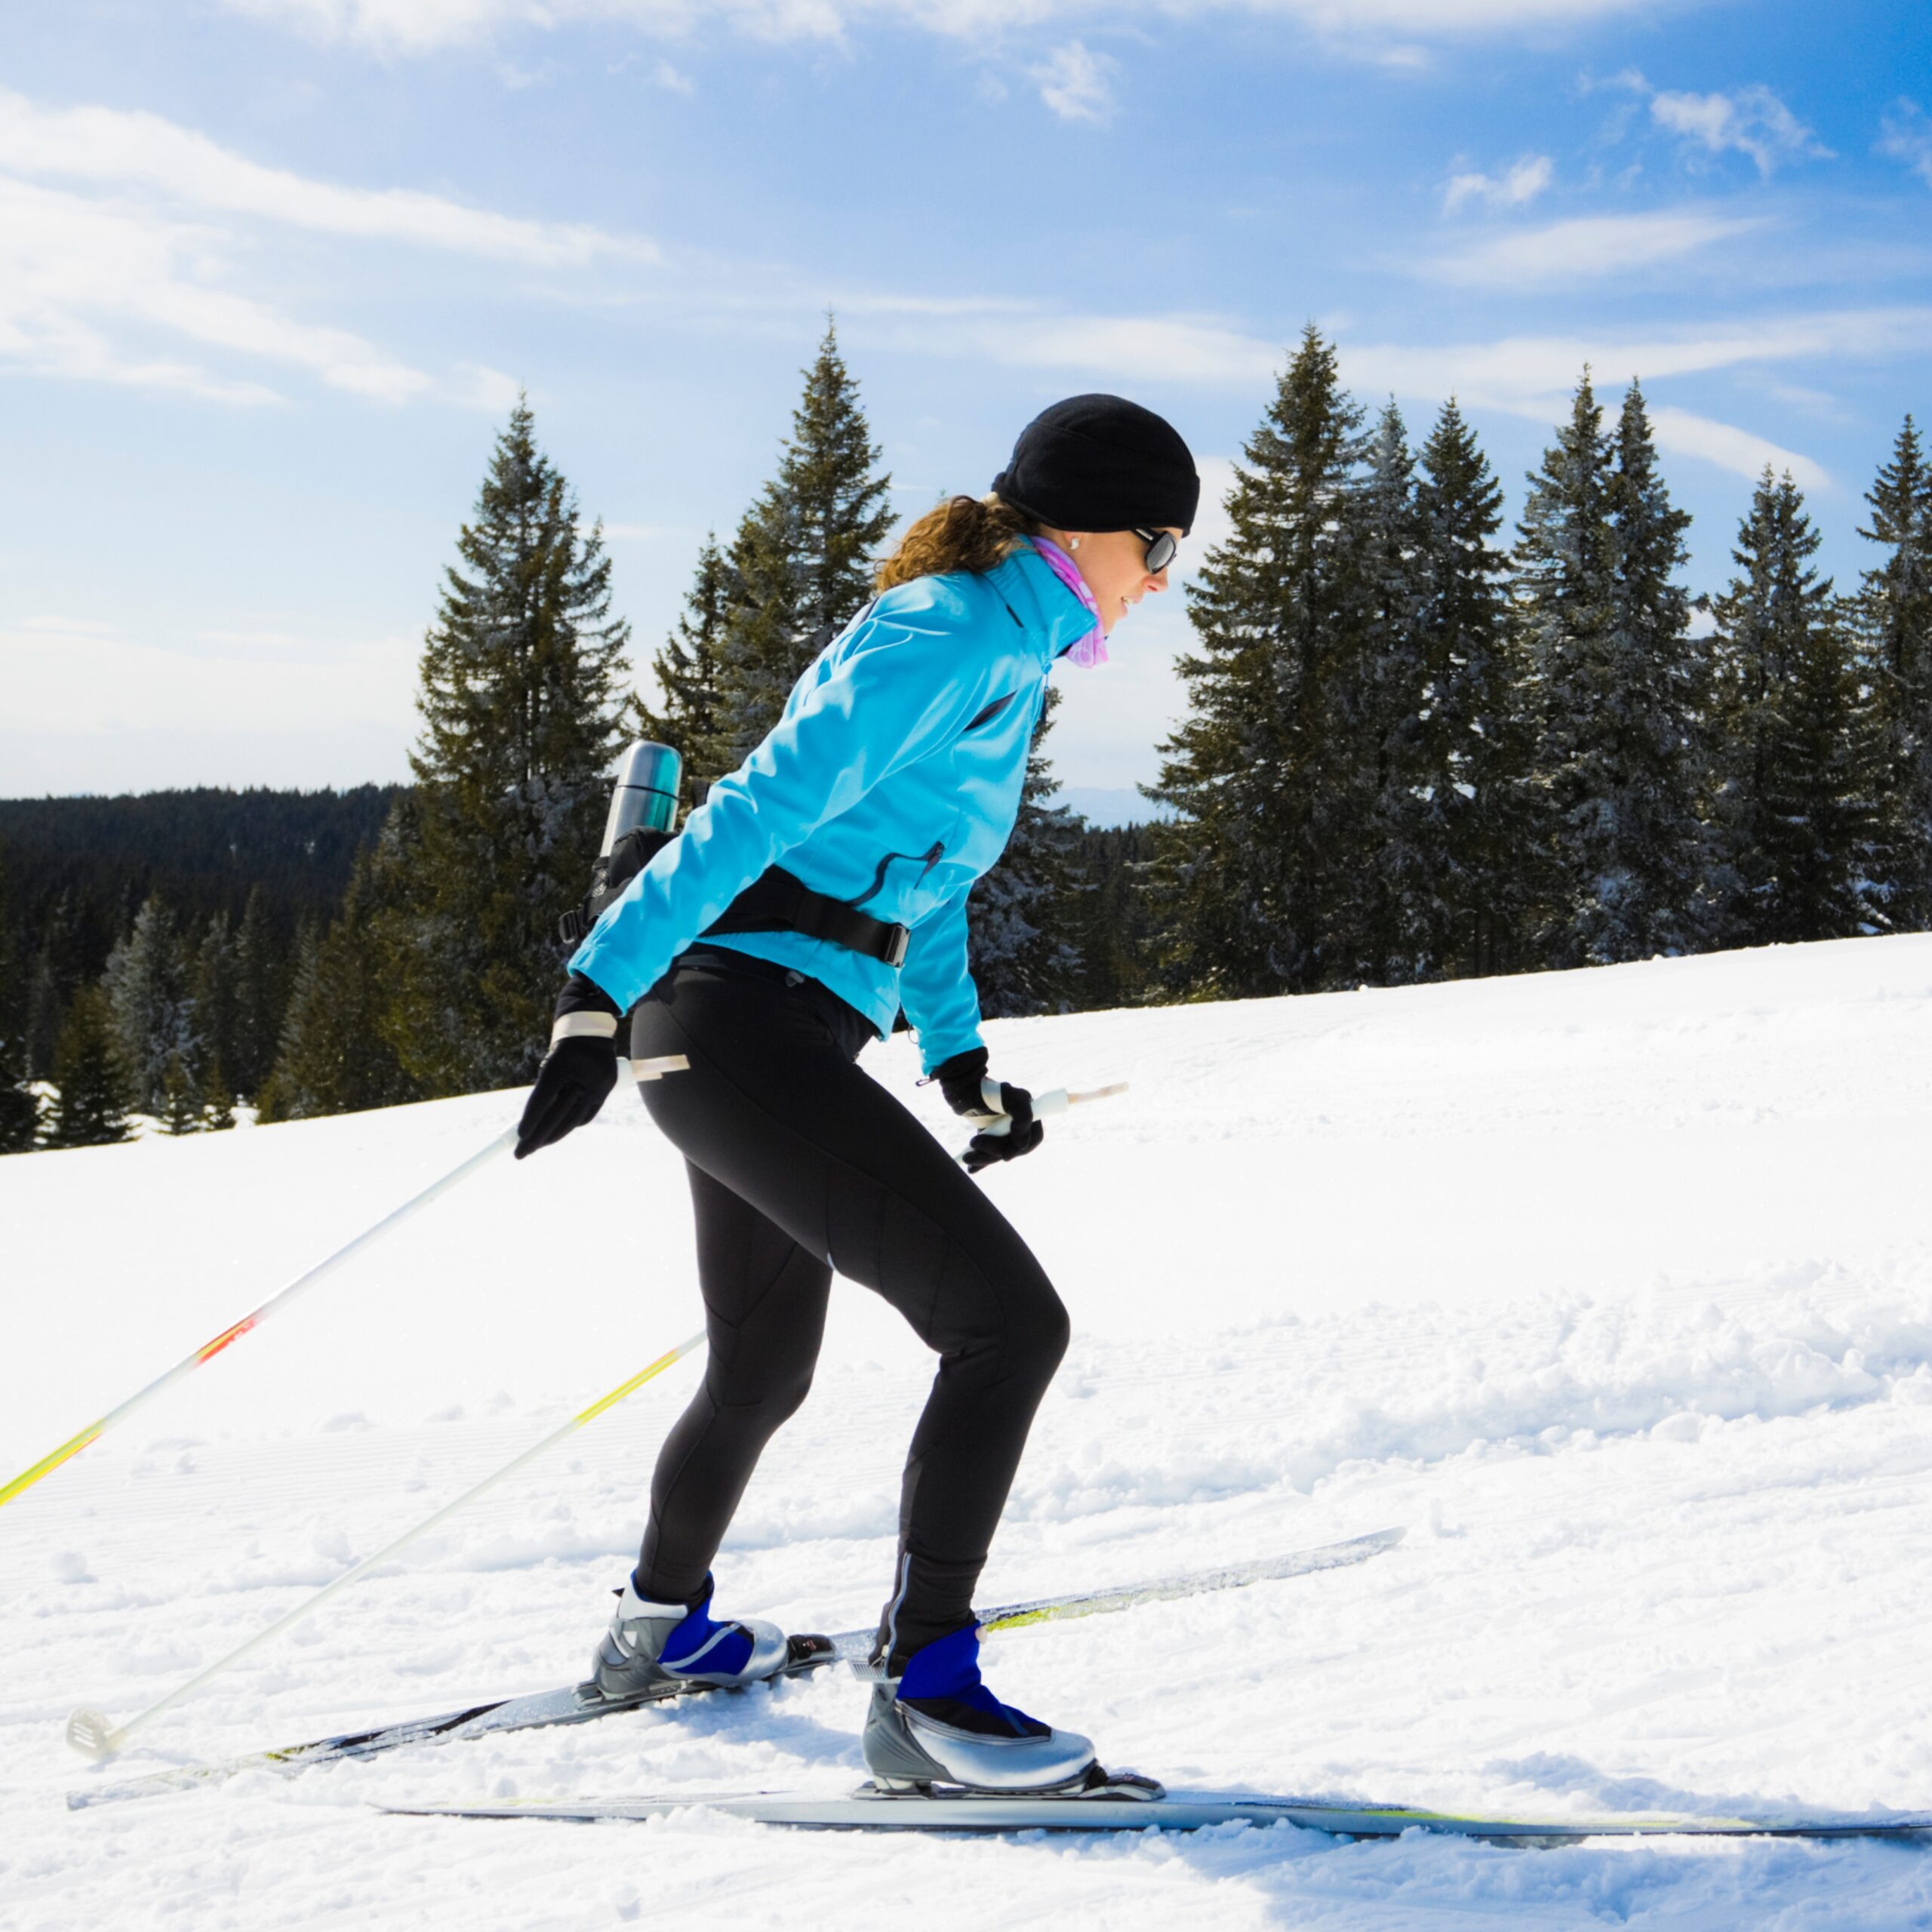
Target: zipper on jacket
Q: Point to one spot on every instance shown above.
(929, 859)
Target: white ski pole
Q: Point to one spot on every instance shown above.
(996, 1121)
(276, 1303)
(95, 1734)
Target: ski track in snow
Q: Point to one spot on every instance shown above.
(1615, 1287)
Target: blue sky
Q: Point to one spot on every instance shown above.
(271, 272)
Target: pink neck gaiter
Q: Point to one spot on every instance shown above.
(1092, 649)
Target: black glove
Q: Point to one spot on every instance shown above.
(578, 1072)
(959, 1080)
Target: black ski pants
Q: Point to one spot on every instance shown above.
(800, 1163)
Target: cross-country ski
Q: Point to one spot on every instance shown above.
(581, 1703)
(1159, 1810)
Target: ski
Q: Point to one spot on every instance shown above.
(581, 1703)
(868, 1809)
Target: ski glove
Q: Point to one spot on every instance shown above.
(578, 1072)
(960, 1080)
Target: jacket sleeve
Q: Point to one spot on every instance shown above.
(936, 986)
(904, 682)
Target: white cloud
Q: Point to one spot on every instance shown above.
(420, 26)
(1907, 136)
(1731, 447)
(84, 285)
(667, 77)
(1753, 120)
(1075, 82)
(1588, 248)
(1523, 182)
(113, 148)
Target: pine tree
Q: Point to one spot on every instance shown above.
(1385, 700)
(180, 1109)
(19, 1105)
(1462, 756)
(90, 1110)
(1117, 935)
(147, 985)
(520, 722)
(217, 1101)
(1023, 919)
(1894, 610)
(212, 984)
(246, 1052)
(802, 557)
(282, 1095)
(689, 670)
(335, 1056)
(1623, 689)
(1800, 756)
(1257, 878)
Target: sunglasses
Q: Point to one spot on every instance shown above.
(1162, 545)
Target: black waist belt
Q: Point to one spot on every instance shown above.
(777, 901)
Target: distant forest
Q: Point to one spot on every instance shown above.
(1413, 748)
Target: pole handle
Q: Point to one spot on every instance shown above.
(1056, 1100)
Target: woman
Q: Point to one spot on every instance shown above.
(889, 785)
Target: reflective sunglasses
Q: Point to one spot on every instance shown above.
(1162, 545)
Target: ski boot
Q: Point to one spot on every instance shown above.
(937, 1723)
(652, 1644)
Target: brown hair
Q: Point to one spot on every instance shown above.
(962, 533)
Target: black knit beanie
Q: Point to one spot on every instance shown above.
(1101, 463)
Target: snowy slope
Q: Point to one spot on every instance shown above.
(1616, 1287)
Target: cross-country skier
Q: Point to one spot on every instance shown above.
(822, 887)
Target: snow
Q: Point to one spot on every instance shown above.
(1614, 1287)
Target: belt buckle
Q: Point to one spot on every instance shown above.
(901, 940)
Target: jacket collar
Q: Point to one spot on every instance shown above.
(1055, 619)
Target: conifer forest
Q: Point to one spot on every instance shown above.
(1417, 744)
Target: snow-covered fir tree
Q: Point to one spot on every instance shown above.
(1799, 757)
(1459, 798)
(1894, 613)
(521, 720)
(688, 669)
(90, 1106)
(151, 1001)
(1258, 880)
(803, 556)
(1623, 689)
(1024, 918)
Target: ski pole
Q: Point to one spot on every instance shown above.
(75, 1444)
(95, 1734)
(996, 1121)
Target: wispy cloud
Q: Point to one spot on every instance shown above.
(1523, 182)
(1751, 121)
(1588, 248)
(144, 153)
(1076, 83)
(85, 287)
(1906, 136)
(1731, 447)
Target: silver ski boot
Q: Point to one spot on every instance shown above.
(649, 1644)
(937, 1723)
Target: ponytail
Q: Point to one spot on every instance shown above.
(971, 533)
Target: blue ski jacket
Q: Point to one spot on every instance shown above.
(891, 781)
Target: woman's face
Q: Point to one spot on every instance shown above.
(1114, 563)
